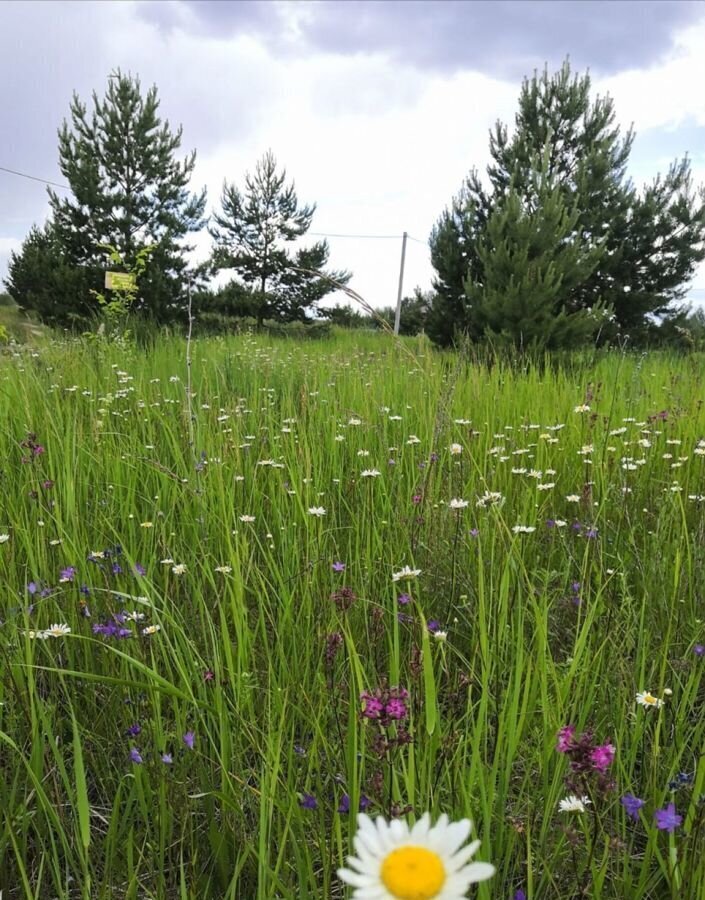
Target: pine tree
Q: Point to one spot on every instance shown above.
(531, 257)
(42, 281)
(652, 239)
(129, 191)
(250, 233)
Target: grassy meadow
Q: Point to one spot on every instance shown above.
(244, 568)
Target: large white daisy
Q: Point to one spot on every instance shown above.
(395, 862)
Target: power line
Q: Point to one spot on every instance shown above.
(380, 237)
(64, 187)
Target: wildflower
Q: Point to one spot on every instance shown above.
(433, 626)
(667, 819)
(4, 538)
(135, 756)
(632, 805)
(565, 738)
(455, 503)
(151, 629)
(316, 511)
(571, 803)
(134, 730)
(338, 567)
(178, 569)
(699, 649)
(57, 631)
(406, 573)
(167, 759)
(456, 449)
(602, 756)
(67, 574)
(523, 529)
(247, 518)
(573, 498)
(189, 739)
(344, 805)
(370, 473)
(418, 863)
(489, 498)
(647, 700)
(404, 599)
(440, 636)
(146, 524)
(223, 570)
(343, 598)
(308, 801)
(582, 408)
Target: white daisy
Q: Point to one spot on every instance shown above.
(57, 631)
(456, 449)
(395, 862)
(178, 569)
(647, 699)
(405, 573)
(316, 511)
(571, 803)
(247, 518)
(457, 503)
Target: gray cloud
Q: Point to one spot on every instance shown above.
(503, 38)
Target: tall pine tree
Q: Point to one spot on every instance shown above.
(251, 233)
(652, 240)
(129, 191)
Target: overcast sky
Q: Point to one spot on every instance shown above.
(377, 109)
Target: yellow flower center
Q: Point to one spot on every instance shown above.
(413, 873)
(650, 700)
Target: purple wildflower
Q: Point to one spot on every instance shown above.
(403, 599)
(474, 532)
(167, 759)
(32, 588)
(632, 805)
(139, 569)
(338, 567)
(308, 801)
(67, 574)
(565, 738)
(396, 708)
(344, 805)
(135, 756)
(520, 895)
(134, 730)
(189, 739)
(667, 819)
(373, 707)
(433, 626)
(699, 649)
(602, 757)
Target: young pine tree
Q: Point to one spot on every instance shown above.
(251, 233)
(532, 256)
(129, 190)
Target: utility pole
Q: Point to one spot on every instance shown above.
(397, 317)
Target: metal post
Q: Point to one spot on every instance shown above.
(397, 317)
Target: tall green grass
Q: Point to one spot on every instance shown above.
(240, 658)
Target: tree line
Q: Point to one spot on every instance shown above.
(552, 247)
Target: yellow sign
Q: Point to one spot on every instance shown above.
(119, 281)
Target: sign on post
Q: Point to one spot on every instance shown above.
(119, 281)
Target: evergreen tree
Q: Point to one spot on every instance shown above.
(532, 256)
(41, 280)
(652, 240)
(250, 235)
(128, 191)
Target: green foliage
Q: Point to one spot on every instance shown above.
(115, 308)
(413, 315)
(42, 280)
(250, 235)
(129, 191)
(651, 241)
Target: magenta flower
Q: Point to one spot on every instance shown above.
(565, 738)
(396, 708)
(373, 707)
(667, 819)
(602, 757)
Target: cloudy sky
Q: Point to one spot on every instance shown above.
(377, 109)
